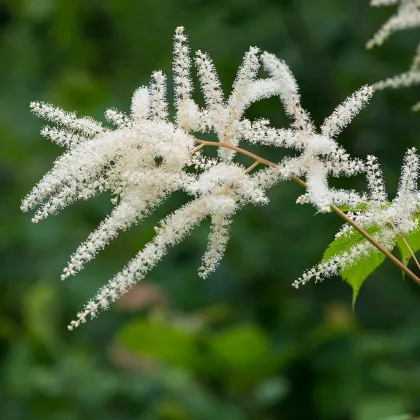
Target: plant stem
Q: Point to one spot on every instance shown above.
(374, 242)
(196, 149)
(409, 249)
(250, 168)
(239, 150)
(334, 208)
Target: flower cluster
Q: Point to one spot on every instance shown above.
(407, 16)
(144, 157)
(387, 221)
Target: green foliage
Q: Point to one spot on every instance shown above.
(163, 342)
(241, 348)
(413, 240)
(38, 306)
(241, 353)
(345, 208)
(355, 275)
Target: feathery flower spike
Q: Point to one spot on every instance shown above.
(388, 220)
(406, 17)
(145, 157)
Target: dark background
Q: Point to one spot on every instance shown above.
(242, 344)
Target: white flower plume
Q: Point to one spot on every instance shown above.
(145, 156)
(320, 154)
(384, 2)
(386, 220)
(407, 16)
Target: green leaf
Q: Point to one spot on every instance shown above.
(161, 341)
(413, 240)
(346, 207)
(382, 407)
(362, 206)
(355, 275)
(39, 309)
(242, 348)
(344, 243)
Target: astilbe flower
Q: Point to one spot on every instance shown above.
(407, 16)
(387, 221)
(320, 154)
(146, 157)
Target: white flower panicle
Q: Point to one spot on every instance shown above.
(406, 79)
(321, 156)
(144, 157)
(62, 137)
(318, 191)
(181, 69)
(225, 117)
(335, 265)
(232, 180)
(158, 104)
(406, 17)
(172, 230)
(415, 65)
(248, 89)
(384, 2)
(210, 83)
(345, 112)
(134, 205)
(218, 239)
(188, 115)
(117, 118)
(375, 180)
(385, 220)
(406, 201)
(349, 198)
(140, 104)
(281, 74)
(68, 120)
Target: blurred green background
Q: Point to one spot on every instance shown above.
(242, 344)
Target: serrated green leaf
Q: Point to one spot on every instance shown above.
(359, 207)
(355, 275)
(345, 242)
(413, 240)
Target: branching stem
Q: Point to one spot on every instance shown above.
(410, 250)
(334, 208)
(250, 168)
(239, 150)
